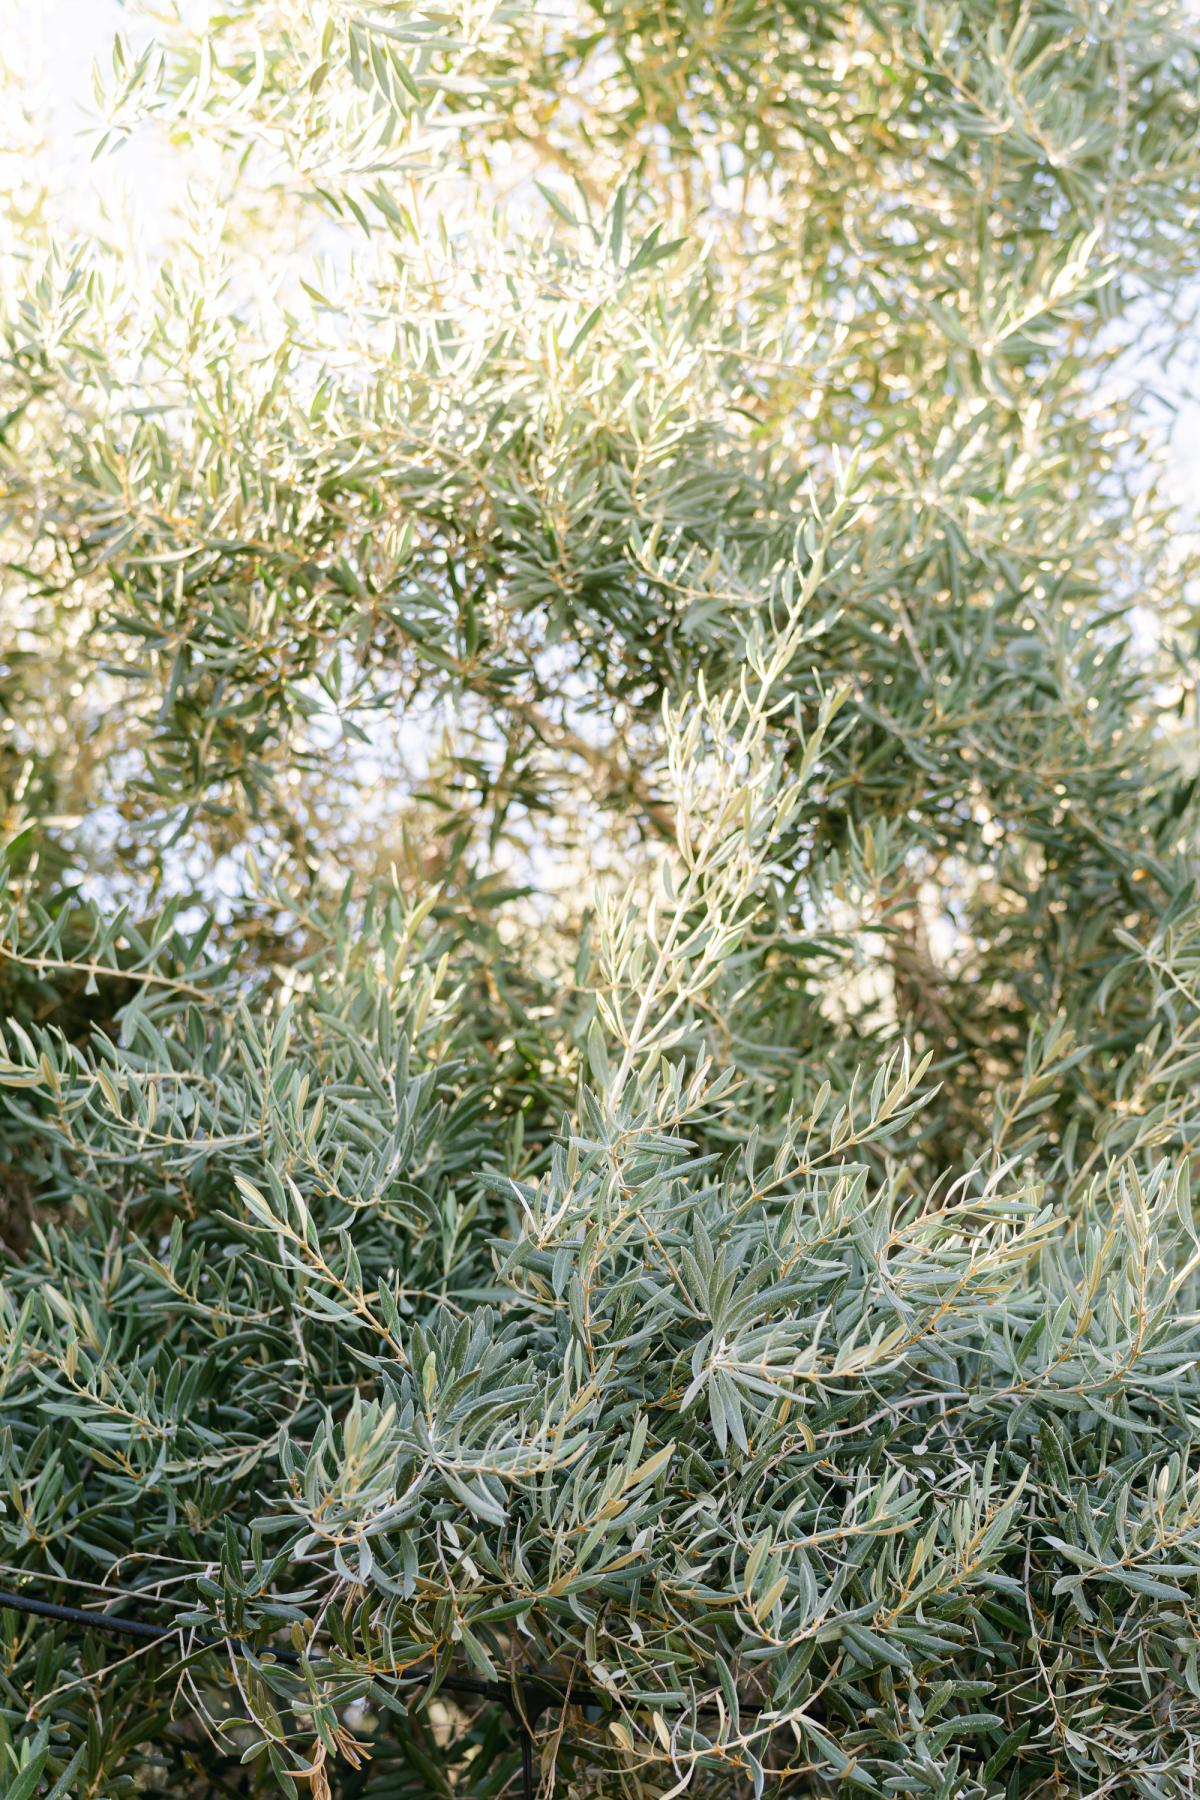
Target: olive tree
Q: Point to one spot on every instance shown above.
(599, 958)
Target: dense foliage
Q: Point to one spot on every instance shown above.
(597, 744)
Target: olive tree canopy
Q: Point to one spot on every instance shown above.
(598, 747)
